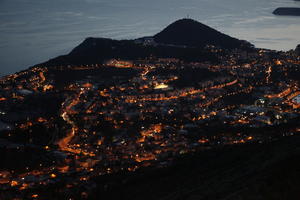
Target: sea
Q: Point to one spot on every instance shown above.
(33, 31)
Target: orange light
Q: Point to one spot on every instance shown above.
(87, 85)
(53, 175)
(63, 169)
(40, 119)
(47, 87)
(203, 141)
(13, 183)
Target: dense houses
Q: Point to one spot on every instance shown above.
(130, 114)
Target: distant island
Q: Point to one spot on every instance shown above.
(287, 11)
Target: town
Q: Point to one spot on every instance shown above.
(127, 115)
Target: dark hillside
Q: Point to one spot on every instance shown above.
(192, 33)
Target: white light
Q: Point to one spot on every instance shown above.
(161, 86)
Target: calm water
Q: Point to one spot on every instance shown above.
(32, 31)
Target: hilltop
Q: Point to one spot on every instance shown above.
(193, 33)
(184, 39)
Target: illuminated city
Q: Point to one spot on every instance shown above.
(64, 126)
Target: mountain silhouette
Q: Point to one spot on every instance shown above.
(189, 32)
(183, 39)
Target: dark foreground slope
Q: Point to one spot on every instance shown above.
(254, 171)
(183, 39)
(258, 171)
